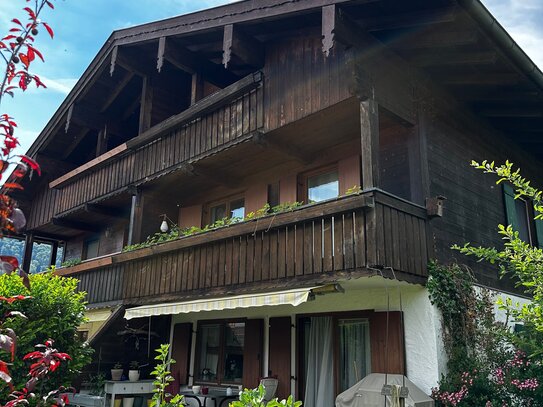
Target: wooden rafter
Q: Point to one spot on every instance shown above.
(75, 225)
(117, 91)
(192, 62)
(105, 211)
(289, 150)
(246, 48)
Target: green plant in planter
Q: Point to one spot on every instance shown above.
(255, 398)
(70, 262)
(163, 378)
(97, 382)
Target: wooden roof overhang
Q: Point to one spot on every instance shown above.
(455, 43)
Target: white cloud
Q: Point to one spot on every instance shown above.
(522, 20)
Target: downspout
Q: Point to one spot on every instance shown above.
(499, 35)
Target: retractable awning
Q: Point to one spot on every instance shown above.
(288, 297)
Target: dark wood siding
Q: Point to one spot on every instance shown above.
(300, 80)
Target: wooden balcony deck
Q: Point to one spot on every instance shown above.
(318, 242)
(224, 123)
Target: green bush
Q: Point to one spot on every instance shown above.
(54, 311)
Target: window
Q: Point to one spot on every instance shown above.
(232, 209)
(320, 185)
(338, 344)
(90, 249)
(519, 215)
(219, 347)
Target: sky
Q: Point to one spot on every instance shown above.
(82, 26)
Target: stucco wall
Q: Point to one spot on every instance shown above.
(424, 355)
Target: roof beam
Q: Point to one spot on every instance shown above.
(511, 111)
(246, 48)
(441, 39)
(117, 91)
(471, 58)
(219, 178)
(265, 141)
(75, 225)
(86, 116)
(481, 79)
(192, 62)
(105, 211)
(75, 142)
(409, 20)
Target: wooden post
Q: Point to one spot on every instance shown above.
(369, 135)
(146, 105)
(136, 218)
(54, 251)
(197, 88)
(27, 256)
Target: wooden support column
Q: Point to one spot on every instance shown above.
(235, 42)
(27, 256)
(136, 218)
(369, 135)
(146, 104)
(101, 141)
(197, 88)
(54, 251)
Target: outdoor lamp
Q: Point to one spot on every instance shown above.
(164, 225)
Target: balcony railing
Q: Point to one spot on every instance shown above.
(182, 139)
(321, 241)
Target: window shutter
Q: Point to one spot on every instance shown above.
(181, 345)
(252, 353)
(280, 356)
(510, 209)
(379, 347)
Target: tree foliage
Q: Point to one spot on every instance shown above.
(54, 310)
(517, 258)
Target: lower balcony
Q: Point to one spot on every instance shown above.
(353, 236)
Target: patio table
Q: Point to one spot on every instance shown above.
(218, 396)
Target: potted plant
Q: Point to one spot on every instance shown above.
(134, 372)
(117, 371)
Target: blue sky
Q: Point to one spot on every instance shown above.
(82, 26)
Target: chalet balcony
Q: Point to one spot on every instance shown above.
(224, 119)
(347, 237)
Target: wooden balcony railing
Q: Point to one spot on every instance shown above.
(328, 239)
(219, 126)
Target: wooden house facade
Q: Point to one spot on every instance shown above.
(368, 112)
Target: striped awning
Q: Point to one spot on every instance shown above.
(288, 297)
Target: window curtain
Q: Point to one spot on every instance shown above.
(352, 352)
(319, 383)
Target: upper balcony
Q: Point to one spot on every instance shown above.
(348, 237)
(228, 117)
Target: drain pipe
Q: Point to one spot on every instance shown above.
(498, 34)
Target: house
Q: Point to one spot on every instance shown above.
(368, 112)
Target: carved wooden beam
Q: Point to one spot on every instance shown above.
(192, 62)
(289, 150)
(246, 48)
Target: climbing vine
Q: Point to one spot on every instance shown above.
(484, 368)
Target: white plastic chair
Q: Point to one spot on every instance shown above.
(270, 384)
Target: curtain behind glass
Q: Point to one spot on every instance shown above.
(319, 381)
(353, 335)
